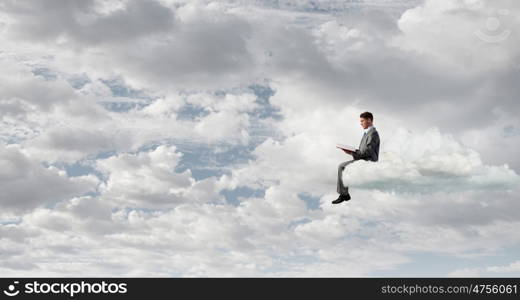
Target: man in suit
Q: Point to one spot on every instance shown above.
(368, 150)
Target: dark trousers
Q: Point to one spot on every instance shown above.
(341, 189)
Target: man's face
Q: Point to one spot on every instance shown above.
(365, 123)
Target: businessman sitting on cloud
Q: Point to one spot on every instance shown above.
(368, 150)
(424, 163)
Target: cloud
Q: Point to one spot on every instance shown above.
(48, 185)
(83, 22)
(428, 162)
(226, 117)
(512, 267)
(488, 271)
(17, 100)
(164, 47)
(144, 178)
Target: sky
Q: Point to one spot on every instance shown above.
(168, 138)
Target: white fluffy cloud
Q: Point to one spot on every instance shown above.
(511, 269)
(27, 184)
(192, 46)
(144, 178)
(428, 162)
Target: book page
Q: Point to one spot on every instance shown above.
(346, 147)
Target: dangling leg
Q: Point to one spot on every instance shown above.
(341, 189)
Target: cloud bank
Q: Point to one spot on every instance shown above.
(428, 163)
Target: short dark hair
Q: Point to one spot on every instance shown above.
(367, 115)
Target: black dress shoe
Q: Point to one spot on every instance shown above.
(341, 198)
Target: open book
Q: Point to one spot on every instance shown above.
(346, 147)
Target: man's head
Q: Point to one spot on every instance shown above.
(366, 119)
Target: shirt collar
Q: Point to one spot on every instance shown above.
(368, 128)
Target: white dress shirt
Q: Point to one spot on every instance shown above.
(368, 128)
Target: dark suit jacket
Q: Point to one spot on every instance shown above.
(369, 146)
